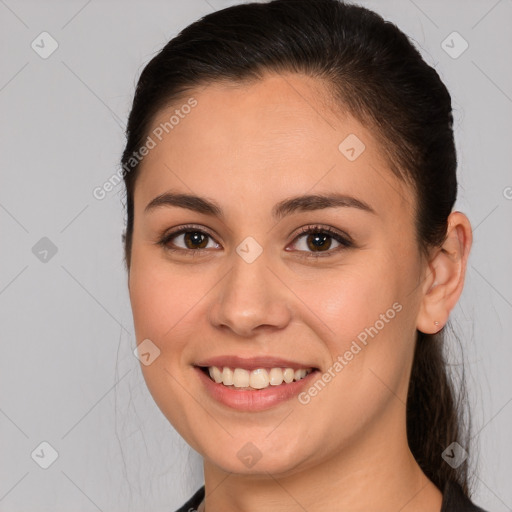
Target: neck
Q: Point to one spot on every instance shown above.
(377, 474)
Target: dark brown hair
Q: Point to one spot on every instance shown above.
(374, 72)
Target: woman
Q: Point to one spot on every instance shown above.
(293, 259)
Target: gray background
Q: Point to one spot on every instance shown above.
(67, 372)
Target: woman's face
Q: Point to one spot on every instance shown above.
(245, 282)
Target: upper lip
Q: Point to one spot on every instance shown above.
(252, 363)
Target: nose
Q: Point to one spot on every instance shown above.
(251, 299)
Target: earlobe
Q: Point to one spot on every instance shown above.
(445, 273)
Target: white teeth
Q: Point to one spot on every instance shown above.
(299, 374)
(276, 376)
(260, 378)
(215, 374)
(227, 376)
(288, 375)
(240, 378)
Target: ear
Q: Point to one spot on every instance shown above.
(445, 275)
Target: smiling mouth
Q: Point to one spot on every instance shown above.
(260, 378)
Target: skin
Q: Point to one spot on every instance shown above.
(247, 147)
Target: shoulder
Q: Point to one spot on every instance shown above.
(454, 500)
(192, 504)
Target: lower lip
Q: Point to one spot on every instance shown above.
(257, 400)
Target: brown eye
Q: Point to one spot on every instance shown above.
(195, 239)
(318, 239)
(188, 240)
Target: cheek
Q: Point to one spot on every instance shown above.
(367, 329)
(348, 299)
(160, 296)
(160, 301)
(150, 300)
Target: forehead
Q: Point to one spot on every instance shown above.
(281, 135)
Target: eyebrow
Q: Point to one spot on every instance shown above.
(286, 207)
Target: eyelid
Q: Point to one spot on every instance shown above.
(333, 232)
(343, 238)
(184, 228)
(165, 237)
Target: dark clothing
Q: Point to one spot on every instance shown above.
(454, 500)
(193, 502)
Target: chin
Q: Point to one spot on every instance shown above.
(259, 457)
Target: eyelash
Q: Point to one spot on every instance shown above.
(344, 240)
